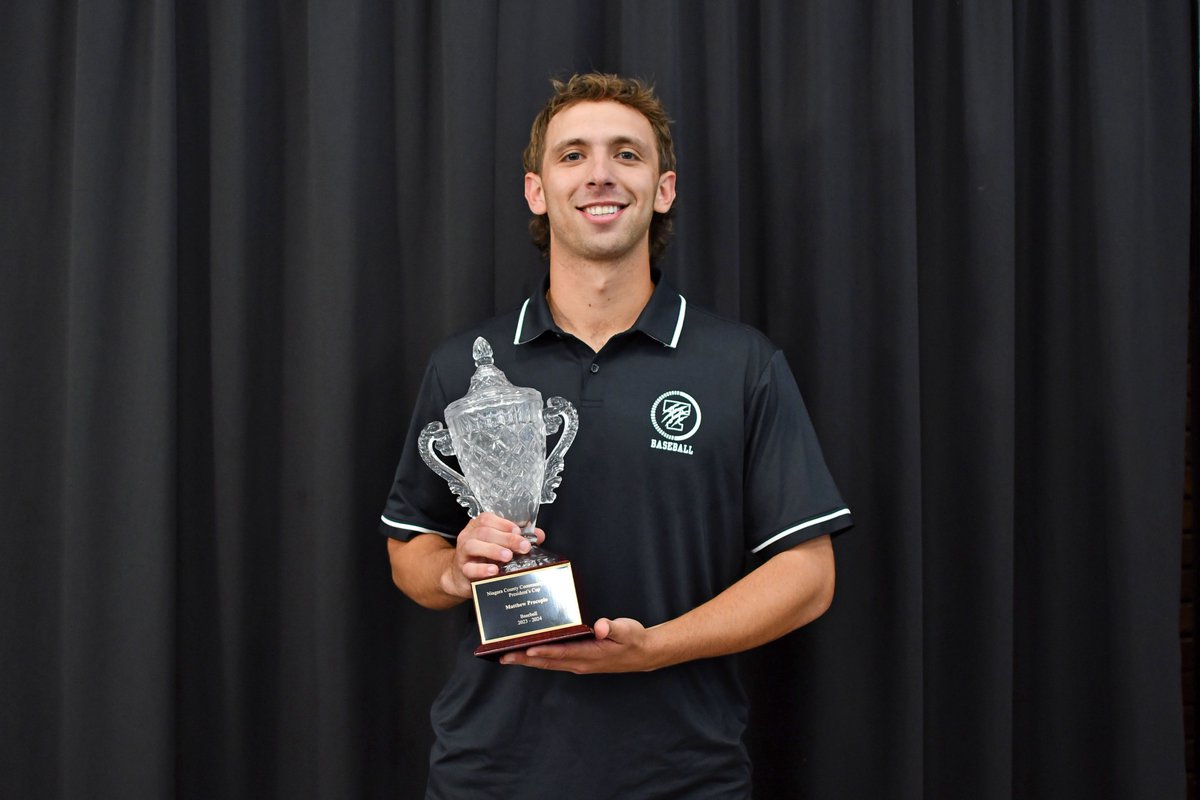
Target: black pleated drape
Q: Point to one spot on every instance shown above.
(232, 232)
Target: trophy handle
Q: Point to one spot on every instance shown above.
(558, 411)
(433, 435)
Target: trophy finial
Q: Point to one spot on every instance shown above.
(481, 352)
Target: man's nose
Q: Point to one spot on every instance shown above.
(601, 172)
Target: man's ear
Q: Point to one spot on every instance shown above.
(533, 193)
(664, 198)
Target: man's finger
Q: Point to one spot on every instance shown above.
(477, 570)
(478, 549)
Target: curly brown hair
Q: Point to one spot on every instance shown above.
(594, 87)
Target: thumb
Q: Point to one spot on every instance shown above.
(602, 628)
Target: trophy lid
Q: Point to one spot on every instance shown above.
(489, 385)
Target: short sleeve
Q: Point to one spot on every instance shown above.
(790, 497)
(420, 501)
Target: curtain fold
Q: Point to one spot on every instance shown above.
(232, 232)
(966, 215)
(90, 408)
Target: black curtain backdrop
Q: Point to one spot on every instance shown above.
(233, 231)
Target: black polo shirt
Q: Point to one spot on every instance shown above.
(694, 447)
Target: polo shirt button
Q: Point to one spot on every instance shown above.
(595, 367)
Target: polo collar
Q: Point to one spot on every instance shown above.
(661, 319)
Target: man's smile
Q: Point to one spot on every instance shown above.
(602, 210)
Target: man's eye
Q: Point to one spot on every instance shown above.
(628, 155)
(572, 156)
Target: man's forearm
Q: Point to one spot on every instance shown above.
(790, 590)
(419, 569)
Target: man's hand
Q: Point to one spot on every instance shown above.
(487, 542)
(438, 574)
(621, 645)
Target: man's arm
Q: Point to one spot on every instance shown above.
(790, 590)
(437, 574)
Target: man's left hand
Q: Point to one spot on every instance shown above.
(621, 645)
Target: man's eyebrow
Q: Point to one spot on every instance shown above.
(563, 145)
(629, 140)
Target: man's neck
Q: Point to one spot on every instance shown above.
(594, 302)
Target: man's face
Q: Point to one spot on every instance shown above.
(599, 183)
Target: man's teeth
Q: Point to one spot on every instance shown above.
(602, 211)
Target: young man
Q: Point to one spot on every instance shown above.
(694, 447)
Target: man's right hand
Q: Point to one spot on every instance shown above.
(487, 542)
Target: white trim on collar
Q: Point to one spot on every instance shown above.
(521, 321)
(679, 322)
(674, 337)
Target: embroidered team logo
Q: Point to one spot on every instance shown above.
(676, 416)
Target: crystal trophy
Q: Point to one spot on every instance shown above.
(498, 432)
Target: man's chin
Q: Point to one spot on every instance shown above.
(601, 248)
